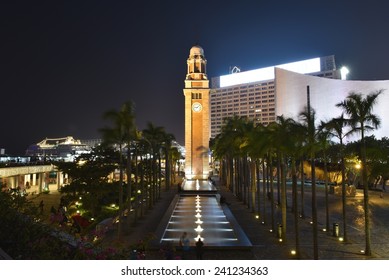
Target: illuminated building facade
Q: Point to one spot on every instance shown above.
(253, 94)
(325, 94)
(197, 132)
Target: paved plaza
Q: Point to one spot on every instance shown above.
(265, 244)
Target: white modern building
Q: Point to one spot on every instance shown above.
(325, 94)
(253, 93)
(262, 94)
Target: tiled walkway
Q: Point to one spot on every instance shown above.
(265, 243)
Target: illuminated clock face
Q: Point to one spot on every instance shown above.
(197, 107)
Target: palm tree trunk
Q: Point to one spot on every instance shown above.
(272, 204)
(120, 225)
(253, 184)
(159, 176)
(302, 189)
(345, 237)
(283, 196)
(314, 209)
(264, 183)
(142, 185)
(167, 170)
(136, 210)
(265, 172)
(326, 195)
(365, 195)
(296, 215)
(258, 192)
(278, 179)
(129, 174)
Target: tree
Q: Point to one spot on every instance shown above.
(284, 144)
(335, 128)
(308, 118)
(227, 148)
(155, 136)
(88, 176)
(361, 118)
(377, 153)
(168, 139)
(120, 133)
(257, 150)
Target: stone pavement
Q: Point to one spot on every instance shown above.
(266, 245)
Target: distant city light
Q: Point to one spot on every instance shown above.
(267, 73)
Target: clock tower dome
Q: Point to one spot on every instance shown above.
(197, 132)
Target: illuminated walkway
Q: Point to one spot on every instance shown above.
(201, 216)
(198, 185)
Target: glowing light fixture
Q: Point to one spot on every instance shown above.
(199, 229)
(199, 236)
(267, 73)
(343, 73)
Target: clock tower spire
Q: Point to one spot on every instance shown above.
(197, 133)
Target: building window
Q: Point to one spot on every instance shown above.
(196, 95)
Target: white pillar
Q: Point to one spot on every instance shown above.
(33, 179)
(27, 178)
(41, 181)
(15, 181)
(59, 180)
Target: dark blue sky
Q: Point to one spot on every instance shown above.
(64, 63)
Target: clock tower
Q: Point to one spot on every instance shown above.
(197, 133)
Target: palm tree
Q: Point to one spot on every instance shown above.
(168, 139)
(175, 157)
(282, 128)
(136, 144)
(120, 134)
(335, 128)
(323, 141)
(361, 118)
(257, 150)
(295, 146)
(308, 122)
(227, 147)
(155, 136)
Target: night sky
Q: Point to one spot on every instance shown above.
(64, 63)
